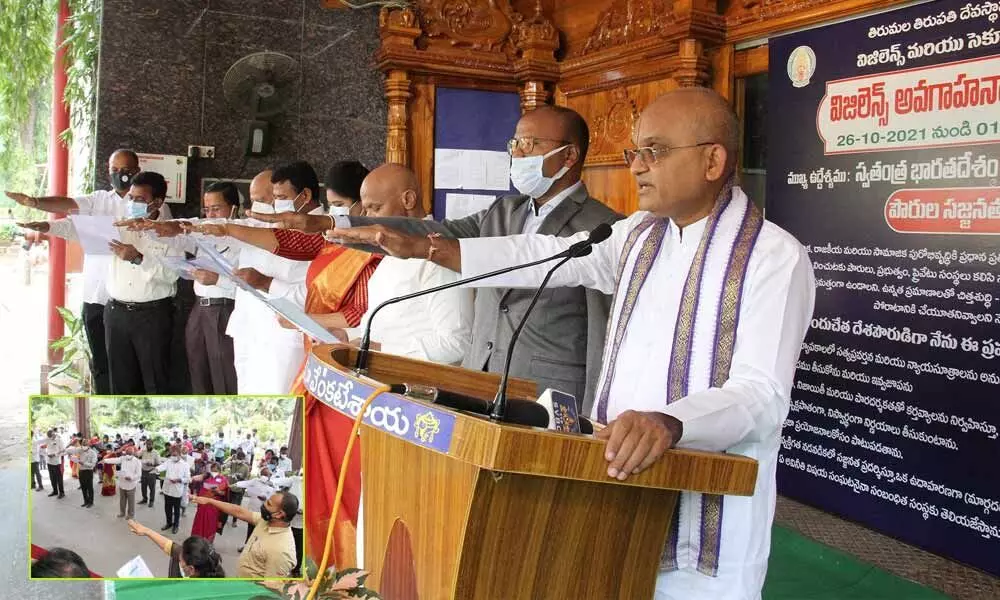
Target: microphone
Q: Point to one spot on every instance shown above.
(581, 248)
(522, 412)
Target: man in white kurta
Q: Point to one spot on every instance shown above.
(685, 160)
(436, 327)
(267, 355)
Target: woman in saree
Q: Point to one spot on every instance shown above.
(213, 485)
(337, 298)
(108, 487)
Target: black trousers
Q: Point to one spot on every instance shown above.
(250, 528)
(55, 478)
(172, 509)
(93, 325)
(87, 484)
(148, 485)
(138, 337)
(210, 350)
(36, 475)
(297, 534)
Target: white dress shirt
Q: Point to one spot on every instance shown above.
(37, 452)
(131, 467)
(151, 280)
(53, 451)
(284, 466)
(436, 327)
(247, 447)
(224, 287)
(175, 469)
(744, 416)
(85, 456)
(537, 214)
(255, 490)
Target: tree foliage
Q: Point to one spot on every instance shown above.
(82, 43)
(27, 33)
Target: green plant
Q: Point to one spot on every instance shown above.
(335, 585)
(8, 231)
(74, 348)
(82, 43)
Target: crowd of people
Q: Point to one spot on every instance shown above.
(682, 328)
(218, 476)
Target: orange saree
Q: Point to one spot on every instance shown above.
(337, 281)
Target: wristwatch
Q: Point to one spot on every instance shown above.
(137, 260)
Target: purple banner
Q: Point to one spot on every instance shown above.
(884, 161)
(408, 420)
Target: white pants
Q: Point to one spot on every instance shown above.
(264, 368)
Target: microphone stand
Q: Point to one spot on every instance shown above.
(499, 407)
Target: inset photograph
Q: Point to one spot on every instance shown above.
(178, 487)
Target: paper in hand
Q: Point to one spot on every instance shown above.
(298, 317)
(135, 568)
(95, 232)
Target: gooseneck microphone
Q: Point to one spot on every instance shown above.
(579, 249)
(361, 364)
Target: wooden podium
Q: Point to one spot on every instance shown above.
(456, 506)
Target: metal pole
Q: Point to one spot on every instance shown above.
(58, 181)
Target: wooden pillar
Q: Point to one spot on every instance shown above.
(397, 94)
(533, 94)
(693, 69)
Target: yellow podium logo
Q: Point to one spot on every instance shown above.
(426, 426)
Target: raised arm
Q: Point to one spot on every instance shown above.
(261, 237)
(162, 542)
(52, 204)
(230, 509)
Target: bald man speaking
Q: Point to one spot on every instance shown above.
(710, 310)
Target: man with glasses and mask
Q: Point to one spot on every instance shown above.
(123, 165)
(711, 306)
(138, 317)
(562, 340)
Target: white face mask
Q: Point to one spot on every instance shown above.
(284, 205)
(135, 210)
(340, 211)
(526, 174)
(262, 208)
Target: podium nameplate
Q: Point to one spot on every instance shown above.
(400, 417)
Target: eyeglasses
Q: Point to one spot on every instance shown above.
(648, 155)
(526, 144)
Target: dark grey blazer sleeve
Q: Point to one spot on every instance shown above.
(467, 227)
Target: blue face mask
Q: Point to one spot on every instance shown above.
(135, 210)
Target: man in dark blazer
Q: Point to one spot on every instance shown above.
(561, 344)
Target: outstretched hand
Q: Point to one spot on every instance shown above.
(39, 226)
(22, 199)
(392, 241)
(636, 440)
(136, 527)
(293, 220)
(198, 499)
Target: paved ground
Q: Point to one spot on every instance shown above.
(105, 541)
(22, 318)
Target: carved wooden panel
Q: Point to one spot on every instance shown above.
(749, 19)
(629, 21)
(476, 24)
(612, 116)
